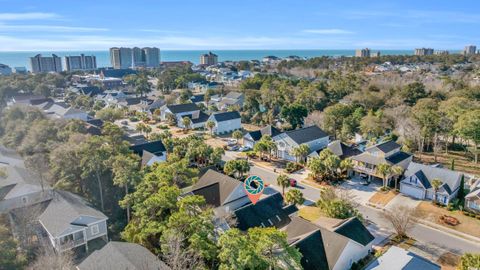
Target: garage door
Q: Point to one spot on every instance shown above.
(411, 191)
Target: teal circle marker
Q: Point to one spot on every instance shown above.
(259, 183)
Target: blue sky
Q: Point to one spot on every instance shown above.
(247, 24)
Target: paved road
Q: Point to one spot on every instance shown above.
(424, 234)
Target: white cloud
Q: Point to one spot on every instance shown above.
(27, 16)
(48, 28)
(327, 31)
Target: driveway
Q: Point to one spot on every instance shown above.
(402, 200)
(361, 193)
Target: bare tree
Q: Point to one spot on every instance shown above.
(40, 165)
(401, 218)
(48, 259)
(177, 257)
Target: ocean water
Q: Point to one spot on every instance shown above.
(20, 59)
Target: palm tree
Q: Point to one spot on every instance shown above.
(345, 166)
(186, 121)
(210, 125)
(384, 170)
(436, 184)
(156, 114)
(294, 196)
(283, 181)
(396, 172)
(140, 127)
(301, 152)
(237, 135)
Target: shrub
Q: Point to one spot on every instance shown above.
(133, 119)
(292, 167)
(162, 126)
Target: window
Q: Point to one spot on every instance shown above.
(94, 229)
(24, 200)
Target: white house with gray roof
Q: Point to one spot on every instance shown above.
(18, 187)
(226, 122)
(69, 222)
(190, 110)
(313, 136)
(418, 183)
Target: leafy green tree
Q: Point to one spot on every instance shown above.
(237, 135)
(294, 196)
(336, 206)
(260, 248)
(10, 257)
(236, 168)
(126, 173)
(283, 181)
(109, 114)
(187, 122)
(469, 261)
(294, 114)
(412, 92)
(468, 127)
(192, 222)
(426, 115)
(334, 116)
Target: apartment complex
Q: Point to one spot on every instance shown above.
(470, 49)
(40, 63)
(122, 58)
(441, 52)
(362, 52)
(5, 70)
(208, 59)
(423, 51)
(80, 62)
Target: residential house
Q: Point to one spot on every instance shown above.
(18, 186)
(313, 136)
(226, 122)
(365, 164)
(61, 110)
(329, 244)
(94, 126)
(198, 99)
(397, 258)
(25, 99)
(472, 199)
(339, 149)
(418, 183)
(251, 138)
(269, 211)
(150, 152)
(190, 110)
(230, 100)
(70, 222)
(122, 255)
(221, 191)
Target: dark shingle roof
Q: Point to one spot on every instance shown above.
(180, 108)
(313, 252)
(215, 187)
(267, 130)
(120, 255)
(423, 179)
(95, 122)
(155, 147)
(267, 212)
(305, 135)
(387, 146)
(225, 116)
(398, 157)
(355, 230)
(197, 98)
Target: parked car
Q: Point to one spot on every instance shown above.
(293, 182)
(244, 149)
(233, 148)
(124, 122)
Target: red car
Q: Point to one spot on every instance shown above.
(293, 182)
